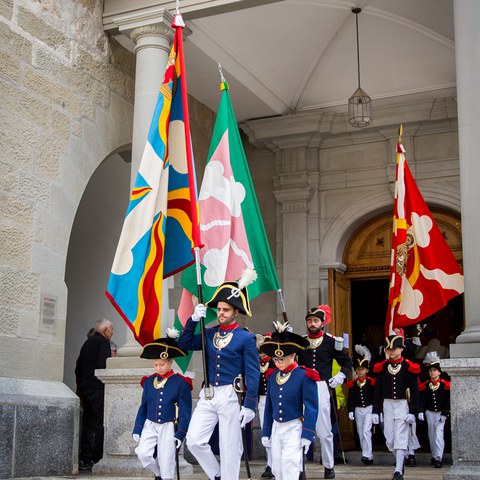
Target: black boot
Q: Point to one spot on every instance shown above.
(366, 461)
(438, 464)
(397, 476)
(267, 473)
(411, 461)
(329, 473)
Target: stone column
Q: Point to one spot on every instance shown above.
(152, 35)
(294, 198)
(467, 44)
(464, 364)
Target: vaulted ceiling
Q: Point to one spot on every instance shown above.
(288, 56)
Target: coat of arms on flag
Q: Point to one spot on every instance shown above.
(424, 273)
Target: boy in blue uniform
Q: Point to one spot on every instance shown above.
(230, 351)
(360, 401)
(166, 400)
(291, 406)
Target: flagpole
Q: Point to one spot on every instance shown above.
(282, 304)
(179, 25)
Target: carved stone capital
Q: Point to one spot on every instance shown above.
(160, 29)
(294, 200)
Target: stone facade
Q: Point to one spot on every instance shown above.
(66, 107)
(66, 93)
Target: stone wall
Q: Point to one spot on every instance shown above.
(66, 104)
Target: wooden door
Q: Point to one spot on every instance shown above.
(341, 326)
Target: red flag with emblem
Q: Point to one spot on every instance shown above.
(424, 274)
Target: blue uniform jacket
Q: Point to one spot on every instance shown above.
(158, 405)
(239, 356)
(296, 398)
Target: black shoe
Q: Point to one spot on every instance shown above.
(438, 464)
(158, 478)
(218, 478)
(397, 476)
(300, 476)
(411, 461)
(267, 473)
(85, 465)
(366, 461)
(329, 473)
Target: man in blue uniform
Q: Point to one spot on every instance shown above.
(322, 349)
(166, 400)
(230, 351)
(291, 406)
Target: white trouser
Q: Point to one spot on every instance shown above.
(395, 428)
(324, 424)
(363, 419)
(161, 436)
(223, 409)
(261, 414)
(435, 434)
(287, 452)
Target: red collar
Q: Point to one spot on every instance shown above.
(228, 327)
(434, 383)
(290, 367)
(168, 374)
(396, 362)
(316, 335)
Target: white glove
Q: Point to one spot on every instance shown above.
(266, 442)
(246, 416)
(178, 443)
(375, 419)
(380, 417)
(410, 419)
(416, 341)
(199, 312)
(136, 437)
(442, 419)
(421, 416)
(305, 445)
(351, 416)
(337, 380)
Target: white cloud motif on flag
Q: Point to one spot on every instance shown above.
(422, 226)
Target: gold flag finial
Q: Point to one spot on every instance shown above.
(400, 133)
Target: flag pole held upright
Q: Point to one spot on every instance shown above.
(424, 274)
(179, 25)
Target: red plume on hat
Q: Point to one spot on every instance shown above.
(322, 312)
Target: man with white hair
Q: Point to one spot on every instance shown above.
(93, 355)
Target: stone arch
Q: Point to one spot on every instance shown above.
(351, 217)
(96, 190)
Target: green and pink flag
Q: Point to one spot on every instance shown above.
(231, 224)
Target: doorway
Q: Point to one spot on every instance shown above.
(360, 301)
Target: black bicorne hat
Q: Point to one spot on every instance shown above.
(394, 341)
(432, 360)
(235, 293)
(283, 342)
(166, 347)
(362, 357)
